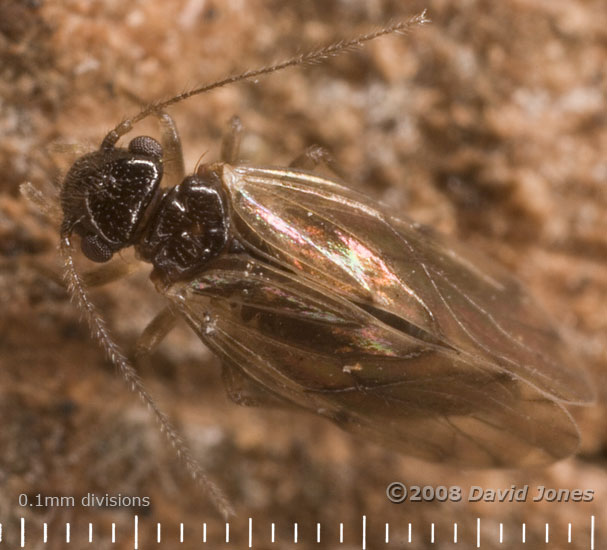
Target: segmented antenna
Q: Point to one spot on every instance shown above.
(308, 58)
(75, 282)
(101, 333)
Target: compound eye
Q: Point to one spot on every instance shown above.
(145, 145)
(94, 249)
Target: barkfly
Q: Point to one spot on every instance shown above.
(312, 295)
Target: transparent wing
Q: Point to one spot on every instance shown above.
(402, 275)
(320, 351)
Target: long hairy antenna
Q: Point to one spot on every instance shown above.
(76, 283)
(309, 58)
(101, 333)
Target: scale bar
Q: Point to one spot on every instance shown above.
(547, 538)
(136, 532)
(364, 547)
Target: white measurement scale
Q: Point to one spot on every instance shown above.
(367, 532)
(581, 535)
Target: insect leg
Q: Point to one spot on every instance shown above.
(44, 202)
(100, 332)
(174, 169)
(230, 146)
(155, 332)
(110, 272)
(313, 156)
(99, 276)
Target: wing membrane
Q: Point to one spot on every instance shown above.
(341, 241)
(322, 352)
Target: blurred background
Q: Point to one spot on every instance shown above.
(490, 124)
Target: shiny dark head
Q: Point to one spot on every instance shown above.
(106, 193)
(112, 199)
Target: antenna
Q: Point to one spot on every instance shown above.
(77, 287)
(100, 331)
(308, 58)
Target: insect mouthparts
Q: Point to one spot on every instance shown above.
(314, 297)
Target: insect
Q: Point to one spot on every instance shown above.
(312, 295)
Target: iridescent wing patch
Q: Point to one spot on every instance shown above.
(318, 350)
(340, 240)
